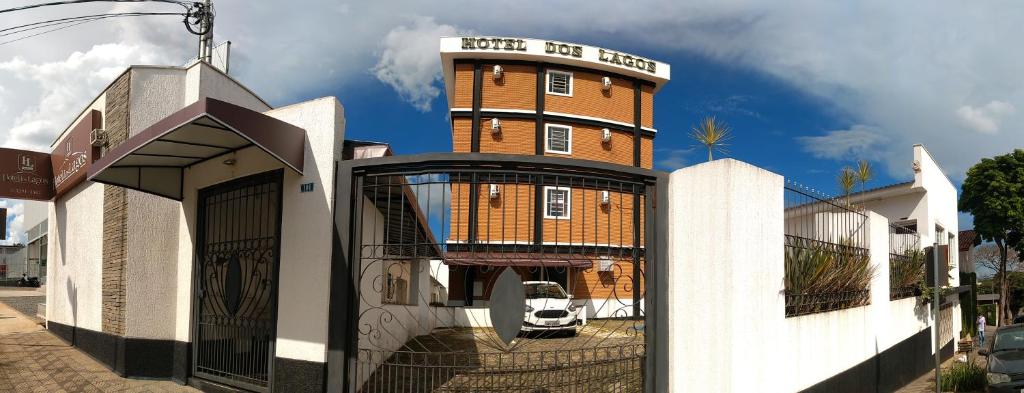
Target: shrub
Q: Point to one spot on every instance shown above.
(824, 276)
(906, 269)
(963, 377)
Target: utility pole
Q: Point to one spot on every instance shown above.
(936, 300)
(206, 39)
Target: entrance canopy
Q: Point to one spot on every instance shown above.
(154, 160)
(518, 259)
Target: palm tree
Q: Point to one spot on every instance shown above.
(712, 134)
(847, 179)
(864, 174)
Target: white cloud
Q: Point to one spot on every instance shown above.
(860, 141)
(410, 62)
(15, 221)
(48, 95)
(672, 159)
(868, 62)
(984, 119)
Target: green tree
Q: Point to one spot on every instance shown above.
(847, 180)
(712, 133)
(993, 193)
(864, 174)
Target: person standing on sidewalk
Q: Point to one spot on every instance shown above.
(981, 331)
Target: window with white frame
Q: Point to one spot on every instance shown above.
(558, 139)
(559, 83)
(557, 202)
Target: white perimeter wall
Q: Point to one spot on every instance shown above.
(726, 228)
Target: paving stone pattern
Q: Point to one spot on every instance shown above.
(40, 362)
(27, 305)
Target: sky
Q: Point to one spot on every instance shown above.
(807, 86)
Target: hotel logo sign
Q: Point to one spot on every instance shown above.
(70, 161)
(39, 176)
(562, 49)
(25, 175)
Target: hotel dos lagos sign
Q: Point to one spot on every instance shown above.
(566, 50)
(70, 160)
(25, 175)
(39, 176)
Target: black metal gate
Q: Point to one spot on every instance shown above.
(496, 273)
(237, 256)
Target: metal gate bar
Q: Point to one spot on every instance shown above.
(237, 260)
(381, 341)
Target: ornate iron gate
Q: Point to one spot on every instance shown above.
(237, 256)
(494, 273)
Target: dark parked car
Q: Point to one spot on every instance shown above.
(1018, 319)
(1005, 371)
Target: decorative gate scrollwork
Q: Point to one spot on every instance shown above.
(500, 277)
(238, 237)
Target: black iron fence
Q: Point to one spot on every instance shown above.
(613, 369)
(906, 262)
(827, 262)
(498, 273)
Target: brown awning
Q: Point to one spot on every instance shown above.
(154, 160)
(523, 259)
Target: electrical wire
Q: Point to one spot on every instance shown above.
(196, 14)
(70, 22)
(55, 22)
(66, 2)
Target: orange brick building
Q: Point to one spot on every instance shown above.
(547, 98)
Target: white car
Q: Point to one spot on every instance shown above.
(549, 308)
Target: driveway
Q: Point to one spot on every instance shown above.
(33, 360)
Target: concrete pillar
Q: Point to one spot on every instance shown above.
(878, 244)
(725, 279)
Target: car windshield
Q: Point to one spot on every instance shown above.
(544, 291)
(1009, 339)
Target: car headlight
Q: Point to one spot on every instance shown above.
(994, 378)
(529, 308)
(572, 307)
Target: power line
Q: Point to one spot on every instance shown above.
(72, 22)
(47, 31)
(66, 2)
(54, 22)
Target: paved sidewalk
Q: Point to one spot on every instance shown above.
(926, 383)
(34, 360)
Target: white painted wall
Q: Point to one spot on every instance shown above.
(726, 260)
(74, 290)
(854, 335)
(150, 268)
(206, 81)
(725, 252)
(154, 93)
